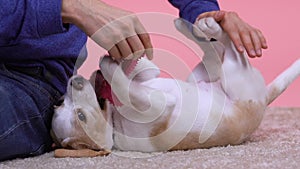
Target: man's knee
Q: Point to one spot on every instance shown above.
(22, 133)
(18, 144)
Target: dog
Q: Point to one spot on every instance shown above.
(222, 102)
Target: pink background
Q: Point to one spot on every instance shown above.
(278, 21)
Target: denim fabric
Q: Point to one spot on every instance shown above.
(26, 109)
(32, 32)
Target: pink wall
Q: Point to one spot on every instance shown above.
(278, 21)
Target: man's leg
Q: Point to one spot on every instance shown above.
(25, 114)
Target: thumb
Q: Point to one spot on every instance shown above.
(219, 15)
(206, 14)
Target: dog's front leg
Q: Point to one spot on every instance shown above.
(142, 100)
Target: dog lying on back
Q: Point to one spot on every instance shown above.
(221, 103)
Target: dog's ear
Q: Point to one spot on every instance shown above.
(74, 143)
(54, 138)
(61, 153)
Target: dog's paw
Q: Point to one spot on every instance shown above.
(105, 61)
(108, 66)
(210, 27)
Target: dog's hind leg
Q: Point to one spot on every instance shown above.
(209, 69)
(237, 73)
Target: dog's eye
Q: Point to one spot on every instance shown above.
(81, 116)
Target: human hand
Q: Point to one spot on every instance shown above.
(116, 30)
(243, 35)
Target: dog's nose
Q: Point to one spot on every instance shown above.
(77, 82)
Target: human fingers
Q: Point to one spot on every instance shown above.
(249, 40)
(136, 46)
(115, 53)
(145, 39)
(130, 48)
(228, 24)
(231, 27)
(109, 27)
(124, 49)
(262, 39)
(245, 38)
(253, 41)
(256, 42)
(136, 41)
(243, 35)
(237, 41)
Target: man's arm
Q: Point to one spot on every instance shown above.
(117, 30)
(191, 9)
(29, 19)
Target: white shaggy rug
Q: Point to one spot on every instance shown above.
(276, 144)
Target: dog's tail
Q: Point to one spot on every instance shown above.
(278, 85)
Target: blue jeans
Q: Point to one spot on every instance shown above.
(26, 109)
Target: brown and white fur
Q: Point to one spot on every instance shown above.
(222, 102)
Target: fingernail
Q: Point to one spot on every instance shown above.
(252, 52)
(218, 14)
(265, 46)
(149, 53)
(241, 48)
(258, 52)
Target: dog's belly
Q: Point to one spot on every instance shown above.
(194, 104)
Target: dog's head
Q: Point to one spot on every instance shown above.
(78, 121)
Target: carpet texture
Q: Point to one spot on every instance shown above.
(276, 144)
